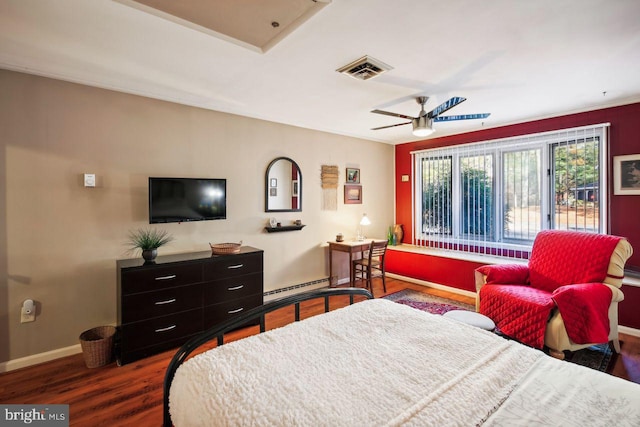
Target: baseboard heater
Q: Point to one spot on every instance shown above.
(293, 287)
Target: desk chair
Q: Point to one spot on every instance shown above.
(363, 268)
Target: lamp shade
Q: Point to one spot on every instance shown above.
(422, 126)
(365, 220)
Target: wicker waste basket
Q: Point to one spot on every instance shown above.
(97, 346)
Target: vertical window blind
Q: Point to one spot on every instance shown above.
(493, 197)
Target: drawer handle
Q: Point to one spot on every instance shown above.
(235, 288)
(237, 310)
(168, 328)
(169, 301)
(173, 276)
(235, 266)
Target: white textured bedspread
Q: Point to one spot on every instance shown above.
(373, 363)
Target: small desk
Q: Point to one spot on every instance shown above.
(350, 247)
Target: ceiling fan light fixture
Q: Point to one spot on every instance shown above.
(422, 126)
(423, 123)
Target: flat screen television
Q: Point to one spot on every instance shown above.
(187, 199)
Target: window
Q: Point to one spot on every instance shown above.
(576, 178)
(476, 196)
(522, 175)
(436, 196)
(495, 196)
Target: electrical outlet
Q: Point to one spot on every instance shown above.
(28, 312)
(26, 318)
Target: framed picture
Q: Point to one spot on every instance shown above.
(273, 182)
(353, 176)
(626, 175)
(352, 194)
(273, 192)
(294, 188)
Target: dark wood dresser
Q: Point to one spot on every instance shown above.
(163, 304)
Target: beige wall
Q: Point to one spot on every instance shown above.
(59, 240)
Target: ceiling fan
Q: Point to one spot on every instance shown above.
(423, 124)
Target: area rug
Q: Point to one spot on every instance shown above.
(426, 302)
(599, 357)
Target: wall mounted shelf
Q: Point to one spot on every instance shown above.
(284, 228)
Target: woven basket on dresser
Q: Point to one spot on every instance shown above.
(225, 248)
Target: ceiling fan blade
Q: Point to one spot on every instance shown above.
(388, 113)
(447, 105)
(461, 117)
(391, 126)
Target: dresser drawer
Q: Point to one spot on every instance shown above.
(214, 314)
(151, 279)
(162, 305)
(146, 305)
(232, 266)
(160, 329)
(232, 288)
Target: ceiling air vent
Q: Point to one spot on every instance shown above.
(365, 68)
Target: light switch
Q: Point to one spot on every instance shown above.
(405, 178)
(89, 180)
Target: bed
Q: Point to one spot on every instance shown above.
(376, 362)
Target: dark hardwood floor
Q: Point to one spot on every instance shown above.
(131, 395)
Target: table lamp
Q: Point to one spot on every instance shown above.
(363, 222)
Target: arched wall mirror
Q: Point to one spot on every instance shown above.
(283, 186)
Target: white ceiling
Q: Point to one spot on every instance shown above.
(237, 21)
(518, 60)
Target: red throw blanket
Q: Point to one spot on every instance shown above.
(520, 312)
(584, 309)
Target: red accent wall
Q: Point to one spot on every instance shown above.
(628, 309)
(441, 270)
(624, 138)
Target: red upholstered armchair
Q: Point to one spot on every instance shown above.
(566, 298)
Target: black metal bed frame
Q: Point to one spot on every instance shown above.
(219, 330)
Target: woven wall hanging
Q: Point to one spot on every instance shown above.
(329, 178)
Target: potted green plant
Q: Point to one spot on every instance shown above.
(149, 240)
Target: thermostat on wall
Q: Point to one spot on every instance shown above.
(89, 180)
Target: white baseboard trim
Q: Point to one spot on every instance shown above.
(432, 285)
(629, 331)
(36, 359)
